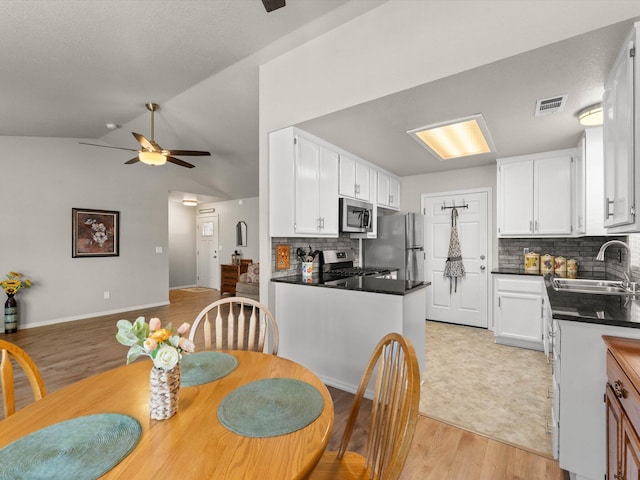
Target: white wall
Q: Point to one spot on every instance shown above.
(42, 180)
(182, 246)
(229, 214)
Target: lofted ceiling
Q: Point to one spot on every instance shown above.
(68, 67)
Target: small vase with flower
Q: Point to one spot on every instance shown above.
(13, 284)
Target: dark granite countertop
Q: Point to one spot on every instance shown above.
(621, 311)
(360, 284)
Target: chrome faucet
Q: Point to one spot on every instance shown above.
(627, 272)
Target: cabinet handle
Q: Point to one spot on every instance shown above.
(319, 223)
(390, 199)
(531, 225)
(550, 392)
(607, 210)
(536, 225)
(357, 188)
(619, 390)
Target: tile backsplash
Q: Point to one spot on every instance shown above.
(343, 242)
(584, 250)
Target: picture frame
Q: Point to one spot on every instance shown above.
(95, 233)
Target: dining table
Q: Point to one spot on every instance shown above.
(198, 441)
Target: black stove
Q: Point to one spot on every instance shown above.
(338, 264)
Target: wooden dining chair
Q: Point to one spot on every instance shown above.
(9, 350)
(236, 323)
(394, 413)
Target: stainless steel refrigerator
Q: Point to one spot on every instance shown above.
(400, 245)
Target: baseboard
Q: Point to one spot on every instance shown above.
(183, 286)
(91, 315)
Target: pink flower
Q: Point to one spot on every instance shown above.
(154, 324)
(149, 345)
(184, 328)
(186, 345)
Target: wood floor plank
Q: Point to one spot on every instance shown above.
(68, 352)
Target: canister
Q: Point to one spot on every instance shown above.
(560, 268)
(572, 268)
(532, 262)
(547, 264)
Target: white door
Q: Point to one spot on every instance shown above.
(208, 262)
(469, 304)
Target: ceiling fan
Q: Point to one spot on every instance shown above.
(151, 153)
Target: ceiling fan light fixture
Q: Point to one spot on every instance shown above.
(189, 203)
(591, 116)
(456, 138)
(152, 158)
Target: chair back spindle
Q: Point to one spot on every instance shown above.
(9, 350)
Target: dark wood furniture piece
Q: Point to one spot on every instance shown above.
(623, 408)
(229, 275)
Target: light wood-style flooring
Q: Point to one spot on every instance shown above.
(68, 352)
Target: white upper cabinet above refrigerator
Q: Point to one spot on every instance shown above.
(621, 110)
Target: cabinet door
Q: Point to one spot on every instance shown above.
(553, 196)
(383, 189)
(394, 193)
(519, 317)
(614, 435)
(307, 184)
(515, 199)
(630, 452)
(347, 176)
(328, 191)
(362, 182)
(618, 101)
(579, 197)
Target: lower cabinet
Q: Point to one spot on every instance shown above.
(518, 310)
(623, 410)
(229, 275)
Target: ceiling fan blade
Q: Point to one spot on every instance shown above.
(192, 153)
(133, 160)
(147, 144)
(177, 161)
(108, 146)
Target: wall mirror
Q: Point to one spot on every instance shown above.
(241, 234)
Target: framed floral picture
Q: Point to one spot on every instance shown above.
(95, 233)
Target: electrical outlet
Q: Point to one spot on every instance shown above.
(107, 295)
(525, 251)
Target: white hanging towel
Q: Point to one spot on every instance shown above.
(454, 268)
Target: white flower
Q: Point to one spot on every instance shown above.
(166, 358)
(186, 345)
(150, 345)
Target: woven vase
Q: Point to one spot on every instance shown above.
(164, 386)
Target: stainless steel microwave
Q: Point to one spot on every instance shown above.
(355, 216)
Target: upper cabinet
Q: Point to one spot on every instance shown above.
(594, 186)
(536, 195)
(620, 103)
(354, 178)
(388, 191)
(303, 185)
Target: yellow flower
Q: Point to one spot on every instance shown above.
(27, 283)
(161, 335)
(15, 274)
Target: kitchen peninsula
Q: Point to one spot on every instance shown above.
(332, 327)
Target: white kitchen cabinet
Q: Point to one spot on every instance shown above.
(388, 191)
(354, 178)
(594, 184)
(373, 178)
(536, 195)
(518, 310)
(579, 192)
(303, 185)
(621, 108)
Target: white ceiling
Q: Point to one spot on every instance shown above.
(68, 67)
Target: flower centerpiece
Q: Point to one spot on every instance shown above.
(13, 284)
(165, 346)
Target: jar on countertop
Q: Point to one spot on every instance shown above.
(572, 268)
(547, 264)
(532, 262)
(560, 267)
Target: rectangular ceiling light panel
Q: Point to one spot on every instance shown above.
(454, 139)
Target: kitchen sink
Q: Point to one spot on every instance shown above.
(596, 287)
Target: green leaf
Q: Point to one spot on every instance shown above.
(124, 325)
(127, 338)
(174, 340)
(134, 352)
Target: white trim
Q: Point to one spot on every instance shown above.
(194, 285)
(91, 315)
(489, 192)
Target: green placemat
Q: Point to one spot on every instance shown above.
(81, 448)
(205, 367)
(270, 407)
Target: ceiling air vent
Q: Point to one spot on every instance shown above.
(550, 105)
